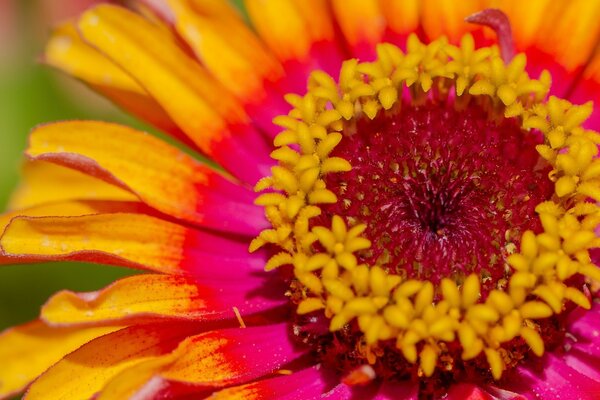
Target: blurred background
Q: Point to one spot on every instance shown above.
(31, 93)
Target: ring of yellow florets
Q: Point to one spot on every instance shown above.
(384, 305)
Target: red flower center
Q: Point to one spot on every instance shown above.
(444, 192)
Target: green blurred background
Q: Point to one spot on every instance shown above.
(30, 94)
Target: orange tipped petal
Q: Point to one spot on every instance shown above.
(221, 358)
(133, 240)
(149, 297)
(281, 25)
(34, 347)
(317, 18)
(307, 384)
(402, 15)
(68, 52)
(526, 19)
(160, 175)
(208, 113)
(138, 379)
(63, 209)
(146, 295)
(362, 23)
(40, 179)
(212, 359)
(84, 372)
(447, 17)
(228, 49)
(126, 239)
(179, 84)
(301, 33)
(71, 209)
(568, 30)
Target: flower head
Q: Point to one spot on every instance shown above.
(424, 227)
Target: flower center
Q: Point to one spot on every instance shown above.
(444, 191)
(431, 212)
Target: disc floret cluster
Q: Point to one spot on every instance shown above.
(547, 270)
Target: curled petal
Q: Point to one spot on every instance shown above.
(160, 175)
(130, 240)
(150, 297)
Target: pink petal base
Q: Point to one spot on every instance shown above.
(572, 373)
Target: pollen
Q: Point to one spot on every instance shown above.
(403, 210)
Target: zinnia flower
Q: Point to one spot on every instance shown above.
(424, 225)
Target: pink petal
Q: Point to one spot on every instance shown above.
(307, 384)
(398, 391)
(467, 391)
(582, 350)
(556, 380)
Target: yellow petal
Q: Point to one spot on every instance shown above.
(408, 9)
(146, 295)
(40, 180)
(66, 51)
(132, 240)
(190, 96)
(226, 47)
(160, 175)
(361, 20)
(281, 25)
(84, 372)
(30, 349)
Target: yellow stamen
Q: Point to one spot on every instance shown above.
(238, 315)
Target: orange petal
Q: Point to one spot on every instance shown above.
(137, 379)
(179, 84)
(282, 26)
(147, 295)
(130, 240)
(28, 350)
(212, 359)
(150, 297)
(301, 34)
(84, 372)
(447, 17)
(402, 15)
(206, 111)
(40, 179)
(526, 19)
(568, 30)
(220, 358)
(133, 240)
(227, 48)
(66, 51)
(184, 89)
(160, 175)
(65, 208)
(362, 21)
(306, 384)
(317, 18)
